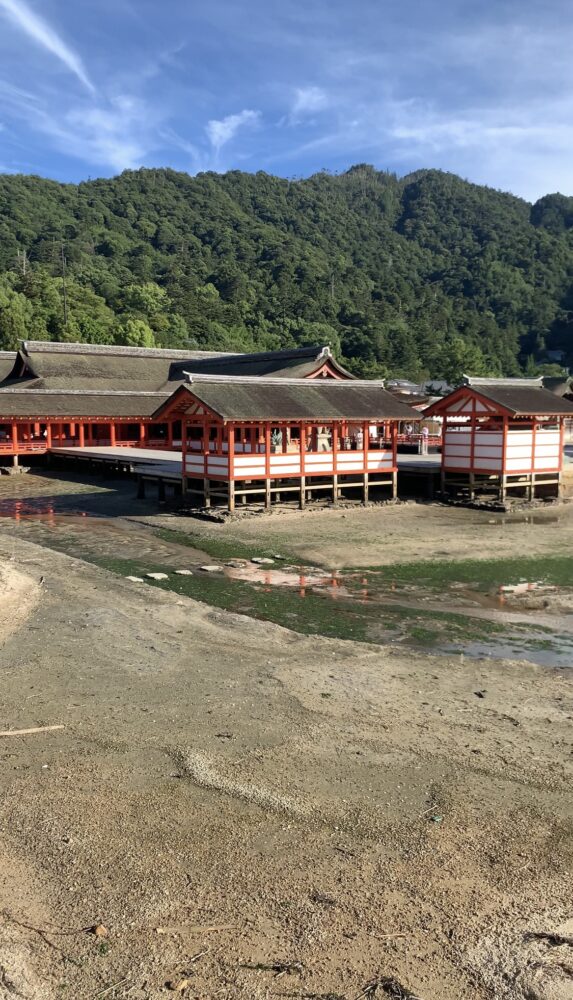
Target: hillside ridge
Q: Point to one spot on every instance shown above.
(421, 276)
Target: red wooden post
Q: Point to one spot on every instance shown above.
(267, 446)
(81, 435)
(14, 437)
(231, 465)
(112, 434)
(170, 434)
(183, 452)
(335, 447)
(206, 430)
(48, 435)
(503, 458)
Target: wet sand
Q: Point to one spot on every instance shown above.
(237, 802)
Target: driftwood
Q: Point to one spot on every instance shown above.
(27, 732)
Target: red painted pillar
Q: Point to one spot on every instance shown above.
(141, 435)
(112, 434)
(15, 438)
(81, 436)
(170, 434)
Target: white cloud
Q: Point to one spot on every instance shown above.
(307, 100)
(222, 131)
(117, 133)
(41, 32)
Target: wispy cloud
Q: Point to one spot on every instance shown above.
(44, 35)
(220, 132)
(308, 100)
(118, 133)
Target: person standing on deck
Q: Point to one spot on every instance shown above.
(424, 441)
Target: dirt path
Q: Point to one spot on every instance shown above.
(266, 798)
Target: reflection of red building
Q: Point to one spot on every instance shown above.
(502, 434)
(84, 395)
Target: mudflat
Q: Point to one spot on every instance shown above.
(250, 812)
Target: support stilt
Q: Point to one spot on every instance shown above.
(207, 492)
(366, 489)
(335, 489)
(472, 486)
(267, 494)
(231, 500)
(302, 498)
(395, 485)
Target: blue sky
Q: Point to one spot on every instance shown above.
(93, 87)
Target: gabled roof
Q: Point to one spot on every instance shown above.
(515, 397)
(43, 403)
(46, 365)
(7, 359)
(297, 362)
(288, 399)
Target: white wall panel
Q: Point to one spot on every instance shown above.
(488, 464)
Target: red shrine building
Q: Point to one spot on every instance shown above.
(501, 435)
(93, 395)
(270, 438)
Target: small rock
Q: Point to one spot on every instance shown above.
(184, 572)
(100, 930)
(135, 579)
(262, 561)
(157, 576)
(211, 569)
(178, 985)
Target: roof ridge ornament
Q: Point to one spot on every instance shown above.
(476, 381)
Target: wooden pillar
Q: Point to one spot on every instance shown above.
(81, 435)
(366, 436)
(48, 435)
(302, 484)
(231, 465)
(112, 434)
(442, 463)
(502, 487)
(531, 488)
(267, 432)
(473, 431)
(394, 441)
(335, 463)
(560, 466)
(14, 437)
(183, 454)
(141, 435)
(170, 434)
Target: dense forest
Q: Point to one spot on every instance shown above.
(424, 276)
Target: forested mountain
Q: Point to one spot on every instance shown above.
(427, 275)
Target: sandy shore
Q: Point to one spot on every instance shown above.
(402, 532)
(264, 814)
